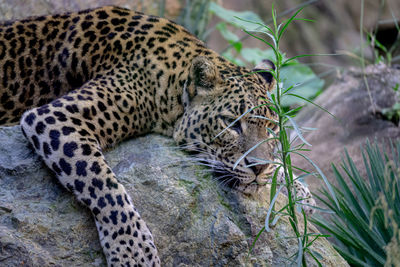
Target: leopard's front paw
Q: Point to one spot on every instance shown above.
(128, 244)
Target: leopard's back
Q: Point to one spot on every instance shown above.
(43, 58)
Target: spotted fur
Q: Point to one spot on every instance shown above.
(81, 82)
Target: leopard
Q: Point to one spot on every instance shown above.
(79, 83)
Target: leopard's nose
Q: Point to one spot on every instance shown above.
(256, 167)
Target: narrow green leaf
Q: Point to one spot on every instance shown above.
(272, 133)
(250, 150)
(264, 41)
(275, 220)
(262, 25)
(270, 209)
(300, 253)
(328, 185)
(290, 88)
(316, 256)
(241, 116)
(307, 55)
(264, 118)
(299, 169)
(296, 128)
(311, 102)
(308, 20)
(309, 244)
(255, 240)
(301, 177)
(308, 128)
(263, 161)
(287, 23)
(273, 185)
(273, 11)
(305, 236)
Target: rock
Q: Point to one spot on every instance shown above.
(357, 119)
(195, 221)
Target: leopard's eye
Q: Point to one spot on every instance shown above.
(233, 124)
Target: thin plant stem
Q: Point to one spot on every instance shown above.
(362, 59)
(283, 137)
(283, 155)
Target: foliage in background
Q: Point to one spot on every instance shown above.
(195, 16)
(286, 123)
(311, 85)
(366, 223)
(372, 50)
(393, 113)
(381, 53)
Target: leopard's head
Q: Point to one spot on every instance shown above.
(226, 114)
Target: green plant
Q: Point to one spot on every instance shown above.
(392, 113)
(308, 84)
(285, 121)
(366, 223)
(381, 53)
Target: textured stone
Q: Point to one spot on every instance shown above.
(357, 119)
(195, 221)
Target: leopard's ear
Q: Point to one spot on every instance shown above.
(203, 73)
(203, 77)
(263, 68)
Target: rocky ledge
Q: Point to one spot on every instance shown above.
(195, 221)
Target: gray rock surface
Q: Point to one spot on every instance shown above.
(357, 119)
(195, 222)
